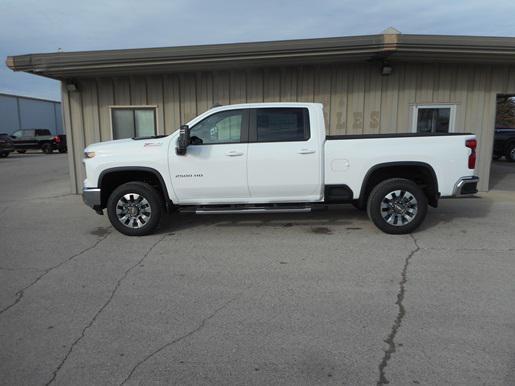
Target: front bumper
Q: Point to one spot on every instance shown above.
(6, 147)
(92, 197)
(466, 186)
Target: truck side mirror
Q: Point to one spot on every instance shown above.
(184, 140)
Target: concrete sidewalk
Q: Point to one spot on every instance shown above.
(320, 298)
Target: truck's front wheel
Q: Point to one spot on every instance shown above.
(510, 153)
(397, 206)
(135, 208)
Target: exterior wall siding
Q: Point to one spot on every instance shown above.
(357, 99)
(20, 112)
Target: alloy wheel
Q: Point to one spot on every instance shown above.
(399, 207)
(133, 210)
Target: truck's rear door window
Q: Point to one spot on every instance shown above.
(282, 124)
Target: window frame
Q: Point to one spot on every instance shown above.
(37, 132)
(253, 124)
(244, 135)
(452, 115)
(133, 107)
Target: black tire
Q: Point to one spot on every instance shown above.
(62, 150)
(510, 153)
(47, 148)
(152, 197)
(21, 151)
(4, 155)
(385, 193)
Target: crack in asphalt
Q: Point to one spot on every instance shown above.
(390, 339)
(21, 293)
(101, 309)
(177, 340)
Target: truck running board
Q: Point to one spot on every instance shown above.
(252, 210)
(231, 209)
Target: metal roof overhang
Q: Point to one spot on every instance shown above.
(392, 47)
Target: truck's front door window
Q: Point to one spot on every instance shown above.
(222, 127)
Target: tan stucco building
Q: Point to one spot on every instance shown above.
(368, 84)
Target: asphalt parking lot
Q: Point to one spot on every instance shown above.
(321, 298)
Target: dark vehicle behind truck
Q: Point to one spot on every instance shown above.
(39, 139)
(6, 145)
(504, 143)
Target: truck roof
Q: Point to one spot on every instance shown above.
(265, 105)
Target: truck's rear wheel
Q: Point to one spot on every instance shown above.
(47, 148)
(135, 208)
(397, 206)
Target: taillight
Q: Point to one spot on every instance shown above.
(57, 139)
(472, 144)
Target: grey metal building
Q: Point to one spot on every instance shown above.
(368, 84)
(21, 112)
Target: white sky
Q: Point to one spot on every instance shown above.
(30, 26)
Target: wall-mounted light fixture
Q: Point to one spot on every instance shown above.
(386, 69)
(71, 86)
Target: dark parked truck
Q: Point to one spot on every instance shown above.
(6, 145)
(39, 139)
(504, 143)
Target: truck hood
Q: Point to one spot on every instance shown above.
(128, 145)
(106, 146)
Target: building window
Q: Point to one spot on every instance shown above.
(433, 118)
(131, 122)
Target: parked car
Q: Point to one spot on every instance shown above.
(275, 157)
(41, 139)
(6, 145)
(504, 143)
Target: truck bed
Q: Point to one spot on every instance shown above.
(348, 158)
(391, 135)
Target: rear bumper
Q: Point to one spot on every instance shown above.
(58, 145)
(92, 197)
(466, 186)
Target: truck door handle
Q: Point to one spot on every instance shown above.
(233, 153)
(306, 151)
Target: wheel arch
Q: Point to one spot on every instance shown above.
(424, 173)
(509, 142)
(111, 178)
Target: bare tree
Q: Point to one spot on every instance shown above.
(505, 116)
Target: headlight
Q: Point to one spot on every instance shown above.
(89, 154)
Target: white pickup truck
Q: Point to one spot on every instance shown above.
(275, 157)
